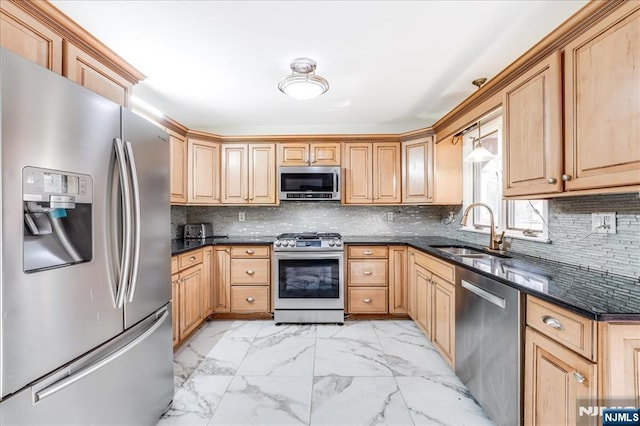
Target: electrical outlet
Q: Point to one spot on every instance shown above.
(389, 215)
(241, 217)
(604, 222)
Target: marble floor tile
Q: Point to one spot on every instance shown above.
(358, 401)
(196, 401)
(270, 329)
(441, 400)
(344, 357)
(352, 330)
(402, 331)
(215, 328)
(413, 359)
(279, 356)
(225, 357)
(190, 355)
(245, 329)
(265, 400)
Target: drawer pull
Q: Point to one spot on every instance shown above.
(192, 258)
(367, 272)
(367, 252)
(367, 300)
(250, 299)
(552, 322)
(249, 251)
(250, 272)
(579, 377)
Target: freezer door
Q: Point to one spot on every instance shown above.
(49, 317)
(126, 382)
(147, 154)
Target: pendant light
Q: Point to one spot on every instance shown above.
(303, 83)
(479, 154)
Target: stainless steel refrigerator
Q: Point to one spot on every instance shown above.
(85, 310)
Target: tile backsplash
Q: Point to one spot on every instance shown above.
(569, 225)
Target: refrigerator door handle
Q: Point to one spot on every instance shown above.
(135, 196)
(55, 387)
(125, 262)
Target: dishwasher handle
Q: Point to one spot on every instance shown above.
(480, 292)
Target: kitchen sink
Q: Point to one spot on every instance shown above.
(468, 252)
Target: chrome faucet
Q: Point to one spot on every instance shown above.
(494, 240)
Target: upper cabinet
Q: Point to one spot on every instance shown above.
(448, 172)
(602, 103)
(417, 171)
(309, 154)
(178, 168)
(532, 108)
(203, 171)
(372, 173)
(23, 35)
(248, 174)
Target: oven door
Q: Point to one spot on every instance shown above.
(310, 280)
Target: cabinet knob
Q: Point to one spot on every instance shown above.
(579, 377)
(367, 272)
(250, 299)
(552, 181)
(552, 322)
(366, 300)
(249, 251)
(192, 258)
(566, 178)
(250, 272)
(367, 252)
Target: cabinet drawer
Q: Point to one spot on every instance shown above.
(367, 251)
(438, 267)
(368, 272)
(249, 299)
(573, 331)
(250, 271)
(250, 251)
(189, 259)
(368, 300)
(174, 265)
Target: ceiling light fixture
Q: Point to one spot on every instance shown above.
(303, 83)
(479, 154)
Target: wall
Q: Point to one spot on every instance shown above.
(569, 225)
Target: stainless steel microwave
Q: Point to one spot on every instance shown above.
(320, 183)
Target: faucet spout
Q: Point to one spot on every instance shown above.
(494, 241)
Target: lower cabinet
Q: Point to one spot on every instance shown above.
(189, 295)
(175, 280)
(367, 279)
(444, 317)
(368, 300)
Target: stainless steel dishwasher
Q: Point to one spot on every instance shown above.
(488, 356)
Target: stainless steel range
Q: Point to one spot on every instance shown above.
(308, 278)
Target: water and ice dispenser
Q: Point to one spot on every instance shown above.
(57, 218)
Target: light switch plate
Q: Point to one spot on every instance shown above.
(604, 222)
(241, 217)
(389, 215)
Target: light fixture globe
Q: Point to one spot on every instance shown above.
(303, 83)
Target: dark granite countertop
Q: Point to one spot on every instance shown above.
(593, 294)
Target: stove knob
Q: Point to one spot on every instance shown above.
(338, 243)
(291, 243)
(332, 243)
(278, 243)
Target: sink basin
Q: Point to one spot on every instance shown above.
(469, 252)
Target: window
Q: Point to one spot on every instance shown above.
(483, 184)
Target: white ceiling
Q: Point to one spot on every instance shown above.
(392, 66)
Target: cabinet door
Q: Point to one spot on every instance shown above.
(324, 154)
(555, 379)
(178, 164)
(207, 281)
(222, 279)
(262, 173)
(358, 167)
(398, 300)
(444, 318)
(88, 72)
(234, 180)
(411, 286)
(621, 350)
(293, 154)
(204, 172)
(602, 103)
(386, 173)
(423, 299)
(532, 131)
(23, 35)
(417, 171)
(189, 294)
(175, 307)
(448, 171)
